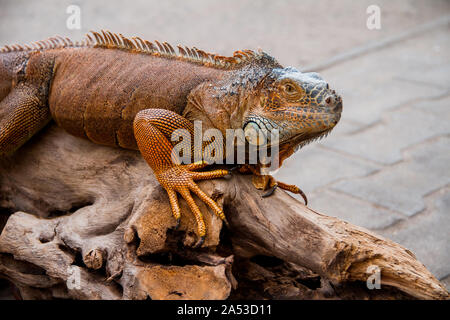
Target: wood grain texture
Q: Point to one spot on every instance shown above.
(91, 222)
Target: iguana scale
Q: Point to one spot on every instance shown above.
(133, 94)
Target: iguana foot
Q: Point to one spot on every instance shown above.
(181, 179)
(267, 182)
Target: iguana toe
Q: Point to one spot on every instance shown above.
(270, 191)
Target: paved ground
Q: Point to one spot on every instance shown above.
(386, 165)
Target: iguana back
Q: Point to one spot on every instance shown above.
(97, 92)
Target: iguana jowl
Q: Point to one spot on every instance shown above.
(133, 94)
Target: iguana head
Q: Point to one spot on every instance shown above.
(300, 105)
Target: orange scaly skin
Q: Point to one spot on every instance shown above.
(133, 94)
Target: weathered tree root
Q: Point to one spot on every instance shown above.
(90, 222)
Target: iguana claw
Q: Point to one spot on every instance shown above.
(199, 242)
(177, 225)
(270, 191)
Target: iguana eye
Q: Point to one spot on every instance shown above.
(292, 92)
(289, 88)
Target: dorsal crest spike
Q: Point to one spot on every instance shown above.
(106, 38)
(89, 38)
(181, 51)
(190, 52)
(111, 37)
(160, 47)
(140, 43)
(69, 42)
(125, 41)
(196, 52)
(136, 44)
(45, 44)
(150, 46)
(109, 40)
(97, 37)
(55, 42)
(172, 51)
(166, 48)
(61, 41)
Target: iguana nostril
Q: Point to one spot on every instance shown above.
(338, 106)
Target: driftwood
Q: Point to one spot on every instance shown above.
(90, 222)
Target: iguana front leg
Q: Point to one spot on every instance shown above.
(153, 129)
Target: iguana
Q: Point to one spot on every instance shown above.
(132, 93)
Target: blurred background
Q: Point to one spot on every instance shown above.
(386, 166)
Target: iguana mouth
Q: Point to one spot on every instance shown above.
(301, 140)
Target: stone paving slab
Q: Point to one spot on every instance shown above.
(438, 107)
(353, 210)
(317, 167)
(427, 235)
(372, 84)
(384, 142)
(436, 76)
(430, 61)
(401, 187)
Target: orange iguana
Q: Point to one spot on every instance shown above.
(133, 94)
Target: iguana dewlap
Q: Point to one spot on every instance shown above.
(133, 94)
